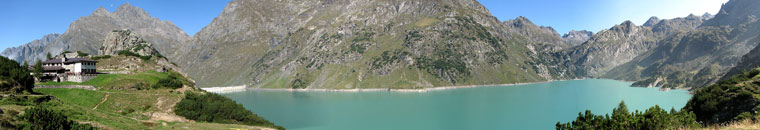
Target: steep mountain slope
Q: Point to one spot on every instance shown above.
(357, 44)
(699, 57)
(613, 47)
(86, 33)
(538, 35)
(748, 62)
(32, 49)
(638, 39)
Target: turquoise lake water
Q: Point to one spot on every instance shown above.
(519, 107)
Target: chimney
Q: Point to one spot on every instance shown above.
(63, 60)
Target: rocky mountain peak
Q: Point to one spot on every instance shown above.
(100, 12)
(626, 27)
(520, 21)
(652, 21)
(127, 10)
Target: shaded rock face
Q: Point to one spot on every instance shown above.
(699, 57)
(614, 47)
(575, 38)
(86, 34)
(121, 40)
(31, 51)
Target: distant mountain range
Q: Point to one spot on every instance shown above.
(344, 44)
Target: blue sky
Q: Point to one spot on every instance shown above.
(22, 21)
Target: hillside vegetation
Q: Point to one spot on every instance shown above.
(136, 100)
(729, 104)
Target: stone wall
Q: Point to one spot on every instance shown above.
(80, 78)
(67, 86)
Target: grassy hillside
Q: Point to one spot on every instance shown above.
(144, 99)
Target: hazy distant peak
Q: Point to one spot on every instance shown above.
(652, 21)
(573, 33)
(707, 16)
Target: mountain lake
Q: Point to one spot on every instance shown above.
(513, 107)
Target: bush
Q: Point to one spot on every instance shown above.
(726, 101)
(174, 81)
(211, 107)
(170, 82)
(129, 53)
(101, 57)
(39, 118)
(82, 53)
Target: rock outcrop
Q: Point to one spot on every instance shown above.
(125, 40)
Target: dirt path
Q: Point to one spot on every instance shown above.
(101, 102)
(166, 108)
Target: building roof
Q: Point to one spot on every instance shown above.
(53, 68)
(68, 60)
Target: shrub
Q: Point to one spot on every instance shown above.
(101, 57)
(39, 118)
(174, 81)
(129, 53)
(82, 53)
(211, 107)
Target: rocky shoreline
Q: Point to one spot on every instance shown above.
(231, 89)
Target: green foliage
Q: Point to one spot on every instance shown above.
(101, 57)
(82, 53)
(388, 57)
(26, 100)
(39, 118)
(364, 36)
(413, 35)
(654, 118)
(138, 47)
(141, 80)
(359, 48)
(48, 56)
(211, 107)
(727, 100)
(299, 83)
(129, 53)
(445, 63)
(14, 78)
(38, 70)
(174, 81)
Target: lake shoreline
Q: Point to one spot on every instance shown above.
(231, 89)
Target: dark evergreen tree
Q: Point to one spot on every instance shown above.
(38, 70)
